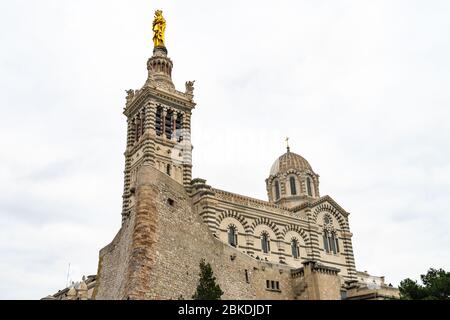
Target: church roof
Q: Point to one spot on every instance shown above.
(290, 160)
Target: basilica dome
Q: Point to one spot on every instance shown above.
(289, 161)
(292, 181)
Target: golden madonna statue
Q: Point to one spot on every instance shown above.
(159, 29)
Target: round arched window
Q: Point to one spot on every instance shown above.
(295, 248)
(309, 186)
(265, 242)
(293, 186)
(277, 190)
(232, 235)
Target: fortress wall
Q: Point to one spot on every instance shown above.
(156, 254)
(113, 265)
(327, 286)
(183, 239)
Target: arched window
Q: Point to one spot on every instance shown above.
(293, 186)
(232, 236)
(135, 129)
(335, 242)
(141, 124)
(330, 242)
(138, 128)
(295, 249)
(169, 170)
(326, 244)
(168, 124)
(265, 242)
(158, 122)
(178, 127)
(277, 190)
(308, 186)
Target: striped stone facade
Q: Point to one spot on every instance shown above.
(220, 210)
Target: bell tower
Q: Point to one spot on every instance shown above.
(159, 122)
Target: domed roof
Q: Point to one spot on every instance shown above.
(288, 161)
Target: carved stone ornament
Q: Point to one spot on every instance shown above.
(190, 87)
(130, 96)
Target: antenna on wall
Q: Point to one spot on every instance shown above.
(68, 273)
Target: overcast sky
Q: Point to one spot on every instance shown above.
(360, 87)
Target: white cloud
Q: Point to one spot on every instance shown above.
(361, 87)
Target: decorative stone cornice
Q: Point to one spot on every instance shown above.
(256, 204)
(247, 200)
(320, 201)
(320, 268)
(178, 98)
(298, 273)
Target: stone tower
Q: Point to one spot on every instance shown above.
(159, 127)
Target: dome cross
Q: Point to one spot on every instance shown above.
(287, 144)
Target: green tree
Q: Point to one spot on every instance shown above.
(436, 286)
(207, 288)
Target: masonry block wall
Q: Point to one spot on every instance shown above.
(157, 252)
